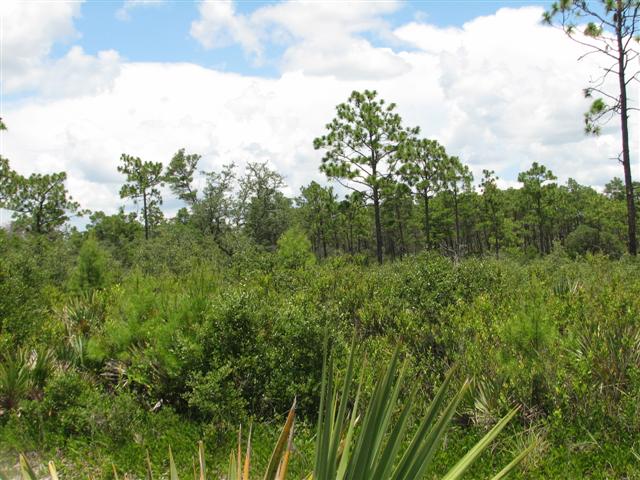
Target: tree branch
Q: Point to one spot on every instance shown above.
(352, 188)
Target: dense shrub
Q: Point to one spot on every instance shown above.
(585, 239)
(227, 342)
(294, 249)
(92, 271)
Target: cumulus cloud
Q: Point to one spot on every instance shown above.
(155, 109)
(220, 26)
(514, 90)
(501, 92)
(124, 12)
(28, 33)
(74, 74)
(319, 38)
(29, 30)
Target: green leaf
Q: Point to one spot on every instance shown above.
(25, 469)
(173, 471)
(466, 461)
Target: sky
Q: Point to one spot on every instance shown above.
(83, 82)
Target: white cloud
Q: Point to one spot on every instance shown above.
(124, 12)
(357, 62)
(513, 88)
(320, 38)
(155, 109)
(496, 99)
(430, 38)
(29, 30)
(220, 26)
(74, 74)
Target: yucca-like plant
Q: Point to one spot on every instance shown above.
(373, 450)
(239, 465)
(358, 446)
(15, 378)
(23, 374)
(41, 366)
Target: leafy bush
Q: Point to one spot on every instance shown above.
(208, 346)
(92, 271)
(376, 450)
(585, 239)
(294, 249)
(215, 397)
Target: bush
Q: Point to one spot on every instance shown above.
(68, 406)
(585, 239)
(215, 397)
(218, 344)
(92, 270)
(294, 249)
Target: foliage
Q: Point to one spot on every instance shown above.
(23, 374)
(7, 183)
(343, 452)
(585, 239)
(92, 269)
(179, 175)
(143, 179)
(214, 213)
(33, 271)
(375, 451)
(199, 348)
(294, 249)
(426, 200)
(215, 397)
(536, 188)
(493, 203)
(423, 168)
(318, 208)
(361, 147)
(263, 208)
(41, 203)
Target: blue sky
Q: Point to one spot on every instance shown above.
(84, 82)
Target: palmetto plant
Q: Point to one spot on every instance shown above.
(354, 445)
(15, 380)
(23, 373)
(376, 448)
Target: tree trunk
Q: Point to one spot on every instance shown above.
(376, 209)
(145, 215)
(400, 231)
(316, 244)
(322, 236)
(455, 208)
(495, 232)
(626, 160)
(427, 223)
(540, 221)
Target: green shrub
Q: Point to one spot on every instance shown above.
(92, 271)
(294, 249)
(211, 345)
(215, 398)
(585, 239)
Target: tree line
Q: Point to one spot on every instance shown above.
(408, 193)
(405, 194)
